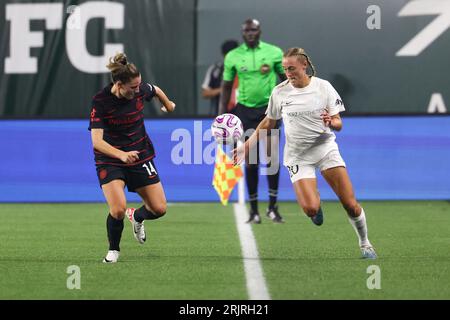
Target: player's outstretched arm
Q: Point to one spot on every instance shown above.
(105, 148)
(240, 152)
(168, 106)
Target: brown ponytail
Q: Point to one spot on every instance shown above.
(121, 69)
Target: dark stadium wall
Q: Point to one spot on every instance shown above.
(383, 56)
(71, 42)
(52, 61)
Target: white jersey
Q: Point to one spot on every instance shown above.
(307, 138)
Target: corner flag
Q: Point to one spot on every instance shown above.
(226, 175)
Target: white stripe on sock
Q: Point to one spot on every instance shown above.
(256, 283)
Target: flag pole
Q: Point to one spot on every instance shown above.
(241, 191)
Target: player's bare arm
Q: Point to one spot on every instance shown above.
(104, 147)
(240, 152)
(225, 96)
(211, 93)
(168, 106)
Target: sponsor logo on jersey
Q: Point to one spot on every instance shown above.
(125, 120)
(93, 118)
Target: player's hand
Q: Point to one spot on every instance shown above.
(172, 107)
(326, 118)
(238, 154)
(130, 157)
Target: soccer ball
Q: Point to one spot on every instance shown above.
(227, 128)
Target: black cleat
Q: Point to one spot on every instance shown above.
(254, 218)
(273, 214)
(318, 218)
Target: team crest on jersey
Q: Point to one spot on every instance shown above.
(139, 104)
(265, 68)
(339, 102)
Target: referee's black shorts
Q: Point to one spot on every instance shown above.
(251, 117)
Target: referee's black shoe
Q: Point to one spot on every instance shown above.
(254, 218)
(273, 214)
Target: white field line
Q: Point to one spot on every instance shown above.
(256, 283)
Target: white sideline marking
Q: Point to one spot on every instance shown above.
(256, 283)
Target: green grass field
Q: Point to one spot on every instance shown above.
(194, 253)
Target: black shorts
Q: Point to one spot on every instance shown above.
(134, 176)
(251, 117)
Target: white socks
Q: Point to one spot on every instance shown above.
(360, 226)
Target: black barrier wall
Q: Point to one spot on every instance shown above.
(53, 53)
(382, 56)
(389, 56)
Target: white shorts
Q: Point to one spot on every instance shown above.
(305, 170)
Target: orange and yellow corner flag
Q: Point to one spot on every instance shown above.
(226, 175)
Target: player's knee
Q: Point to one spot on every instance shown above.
(118, 211)
(352, 207)
(311, 209)
(159, 210)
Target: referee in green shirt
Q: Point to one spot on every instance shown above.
(256, 63)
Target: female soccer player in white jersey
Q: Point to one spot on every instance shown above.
(309, 107)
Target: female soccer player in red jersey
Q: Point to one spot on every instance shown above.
(124, 152)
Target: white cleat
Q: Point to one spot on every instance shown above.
(112, 256)
(368, 252)
(138, 227)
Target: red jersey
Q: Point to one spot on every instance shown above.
(122, 121)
